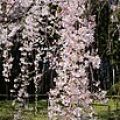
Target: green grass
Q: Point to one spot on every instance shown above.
(7, 111)
(109, 112)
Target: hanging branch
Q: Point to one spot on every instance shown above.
(71, 99)
(32, 33)
(16, 26)
(6, 44)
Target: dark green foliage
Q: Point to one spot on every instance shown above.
(115, 89)
(107, 41)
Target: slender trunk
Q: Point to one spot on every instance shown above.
(113, 74)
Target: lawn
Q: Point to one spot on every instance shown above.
(109, 111)
(7, 111)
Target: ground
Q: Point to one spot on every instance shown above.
(109, 111)
(7, 111)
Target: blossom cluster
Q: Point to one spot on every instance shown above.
(71, 99)
(60, 32)
(33, 25)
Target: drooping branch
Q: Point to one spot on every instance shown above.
(71, 99)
